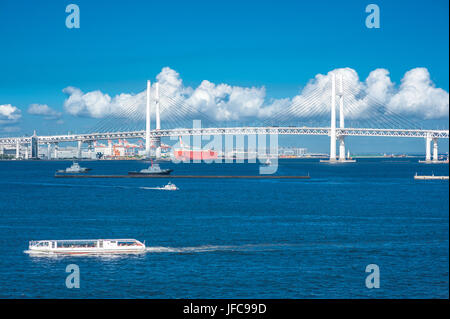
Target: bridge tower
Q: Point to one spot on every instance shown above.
(341, 119)
(334, 135)
(333, 119)
(157, 140)
(147, 122)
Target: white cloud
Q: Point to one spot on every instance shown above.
(9, 114)
(225, 102)
(44, 110)
(96, 104)
(416, 96)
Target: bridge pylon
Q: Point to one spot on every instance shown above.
(334, 135)
(333, 119)
(341, 137)
(157, 140)
(147, 122)
(341, 119)
(149, 139)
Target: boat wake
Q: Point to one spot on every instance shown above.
(168, 187)
(177, 250)
(213, 248)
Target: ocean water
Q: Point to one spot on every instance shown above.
(234, 238)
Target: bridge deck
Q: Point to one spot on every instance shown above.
(290, 130)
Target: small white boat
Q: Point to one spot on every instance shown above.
(168, 187)
(86, 246)
(267, 162)
(75, 168)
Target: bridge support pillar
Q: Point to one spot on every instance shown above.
(79, 149)
(55, 155)
(17, 149)
(49, 151)
(435, 150)
(435, 159)
(428, 149)
(341, 148)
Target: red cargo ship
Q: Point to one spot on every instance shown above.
(186, 154)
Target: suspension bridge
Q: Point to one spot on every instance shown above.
(313, 113)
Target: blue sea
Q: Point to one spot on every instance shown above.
(230, 238)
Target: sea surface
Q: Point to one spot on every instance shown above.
(230, 238)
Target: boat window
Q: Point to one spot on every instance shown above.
(126, 243)
(77, 244)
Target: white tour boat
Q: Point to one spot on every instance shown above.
(86, 246)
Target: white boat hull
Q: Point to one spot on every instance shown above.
(85, 247)
(84, 251)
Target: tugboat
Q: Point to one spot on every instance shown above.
(154, 169)
(75, 168)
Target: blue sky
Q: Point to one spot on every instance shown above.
(277, 44)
